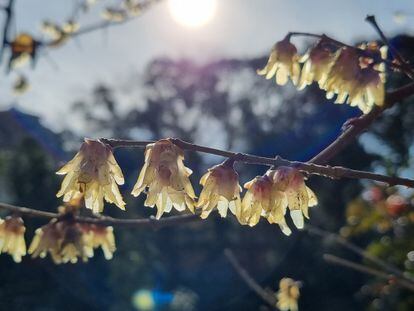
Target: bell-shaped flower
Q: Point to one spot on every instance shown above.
(290, 182)
(317, 64)
(368, 91)
(47, 239)
(343, 74)
(288, 295)
(12, 237)
(166, 178)
(258, 200)
(73, 243)
(221, 189)
(99, 236)
(95, 173)
(283, 63)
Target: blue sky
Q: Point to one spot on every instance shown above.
(240, 28)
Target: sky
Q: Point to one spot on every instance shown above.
(239, 28)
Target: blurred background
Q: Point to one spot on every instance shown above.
(191, 73)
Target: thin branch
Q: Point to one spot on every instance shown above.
(361, 124)
(105, 220)
(335, 172)
(8, 9)
(394, 52)
(359, 251)
(250, 282)
(103, 24)
(367, 270)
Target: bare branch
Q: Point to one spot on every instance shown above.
(8, 9)
(367, 270)
(250, 282)
(359, 251)
(105, 220)
(394, 52)
(335, 172)
(361, 124)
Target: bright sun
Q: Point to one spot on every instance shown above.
(192, 13)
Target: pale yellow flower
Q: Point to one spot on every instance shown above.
(12, 237)
(70, 27)
(317, 64)
(73, 244)
(63, 240)
(357, 80)
(95, 173)
(288, 295)
(47, 239)
(283, 63)
(134, 7)
(291, 187)
(343, 74)
(114, 14)
(221, 189)
(166, 178)
(368, 91)
(258, 200)
(99, 236)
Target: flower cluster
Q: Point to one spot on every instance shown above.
(12, 237)
(94, 173)
(355, 75)
(67, 241)
(288, 295)
(271, 195)
(59, 33)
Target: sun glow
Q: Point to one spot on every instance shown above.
(192, 13)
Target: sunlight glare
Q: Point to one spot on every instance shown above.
(192, 13)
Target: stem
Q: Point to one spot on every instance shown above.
(105, 220)
(250, 282)
(367, 270)
(353, 131)
(394, 52)
(8, 9)
(357, 250)
(335, 172)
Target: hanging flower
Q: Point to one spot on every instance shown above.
(166, 178)
(95, 173)
(73, 243)
(368, 91)
(358, 81)
(343, 74)
(283, 63)
(134, 7)
(99, 236)
(221, 189)
(63, 240)
(288, 295)
(47, 239)
(23, 49)
(258, 199)
(70, 27)
(317, 64)
(290, 182)
(114, 14)
(12, 237)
